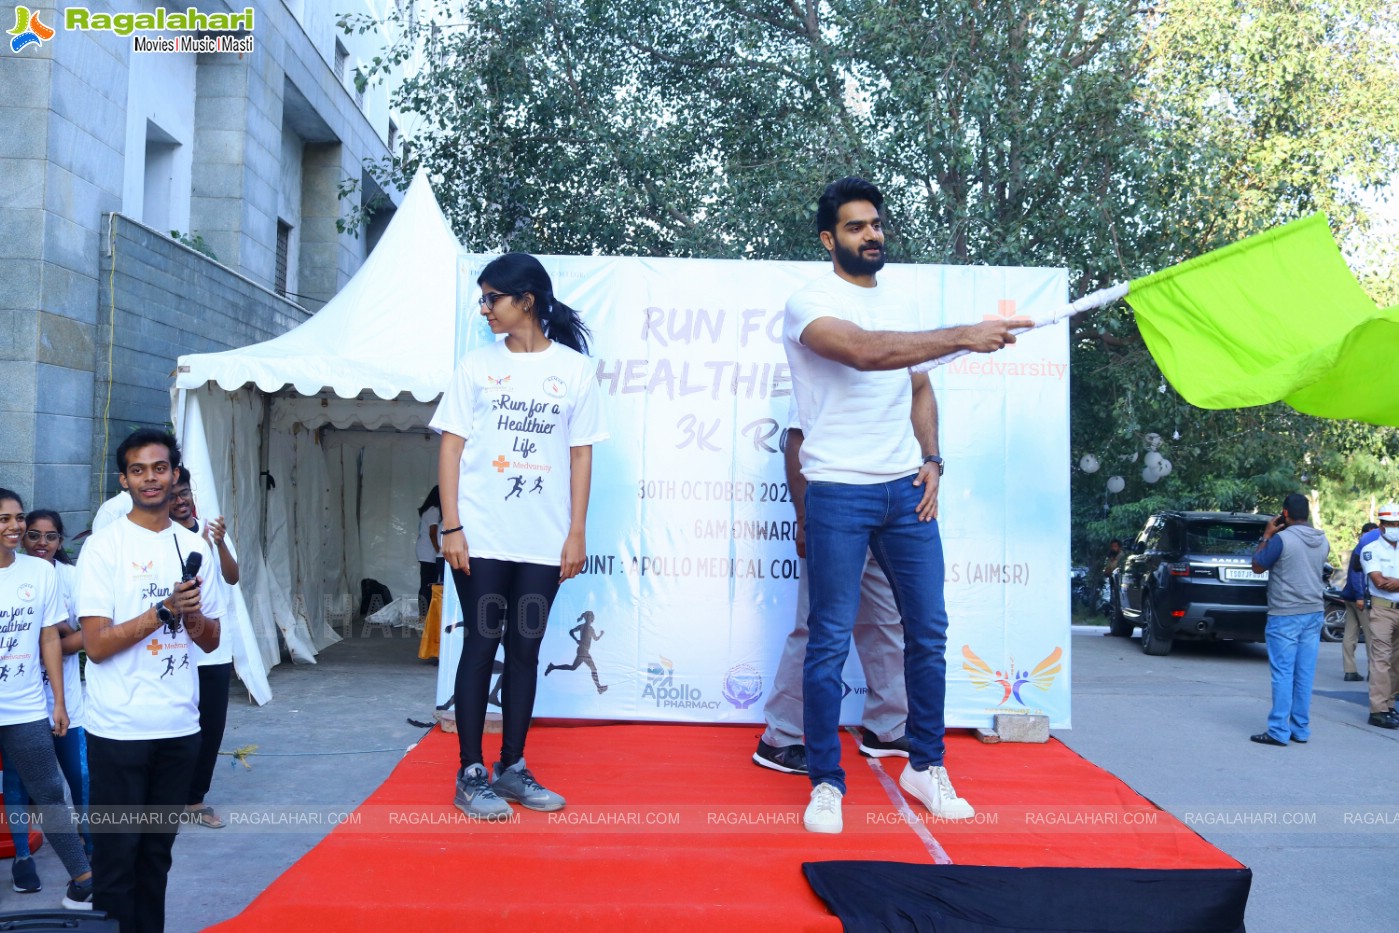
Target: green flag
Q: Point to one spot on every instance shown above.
(1275, 316)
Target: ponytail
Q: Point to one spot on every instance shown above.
(566, 326)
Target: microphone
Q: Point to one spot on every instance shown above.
(192, 563)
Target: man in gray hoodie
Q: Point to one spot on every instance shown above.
(1293, 553)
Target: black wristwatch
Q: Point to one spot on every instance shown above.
(934, 458)
(163, 613)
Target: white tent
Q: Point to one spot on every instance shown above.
(328, 412)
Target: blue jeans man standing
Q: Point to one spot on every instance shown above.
(1293, 554)
(866, 422)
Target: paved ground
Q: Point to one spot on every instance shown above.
(1318, 824)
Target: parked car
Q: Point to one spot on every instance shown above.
(1190, 575)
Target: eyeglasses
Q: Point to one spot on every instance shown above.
(489, 299)
(183, 495)
(49, 536)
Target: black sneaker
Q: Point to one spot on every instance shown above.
(789, 759)
(1351, 676)
(872, 747)
(1385, 720)
(79, 896)
(26, 876)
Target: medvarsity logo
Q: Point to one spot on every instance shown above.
(743, 684)
(28, 30)
(661, 687)
(1012, 680)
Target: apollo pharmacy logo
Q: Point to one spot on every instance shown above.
(205, 32)
(28, 30)
(667, 694)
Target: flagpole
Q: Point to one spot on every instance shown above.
(1089, 302)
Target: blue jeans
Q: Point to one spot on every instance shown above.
(842, 521)
(1292, 647)
(71, 751)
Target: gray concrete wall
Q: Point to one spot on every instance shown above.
(60, 169)
(165, 300)
(63, 161)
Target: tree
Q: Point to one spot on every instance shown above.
(1109, 138)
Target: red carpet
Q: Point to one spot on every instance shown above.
(673, 826)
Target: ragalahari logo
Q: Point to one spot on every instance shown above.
(1011, 680)
(28, 30)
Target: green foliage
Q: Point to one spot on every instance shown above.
(195, 242)
(1108, 138)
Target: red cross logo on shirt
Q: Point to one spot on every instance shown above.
(155, 647)
(500, 463)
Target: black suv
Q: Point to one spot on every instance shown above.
(1190, 575)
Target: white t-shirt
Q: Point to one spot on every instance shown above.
(856, 425)
(1380, 555)
(116, 507)
(30, 599)
(72, 668)
(432, 515)
(150, 690)
(520, 413)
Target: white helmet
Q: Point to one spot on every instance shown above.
(1389, 512)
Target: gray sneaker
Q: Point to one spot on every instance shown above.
(518, 784)
(475, 797)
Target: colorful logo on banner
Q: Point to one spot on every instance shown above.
(28, 30)
(743, 684)
(1012, 680)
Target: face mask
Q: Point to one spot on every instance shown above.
(1391, 535)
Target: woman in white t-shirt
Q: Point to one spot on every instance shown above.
(31, 609)
(43, 538)
(518, 422)
(428, 549)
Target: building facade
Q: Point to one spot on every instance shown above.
(158, 203)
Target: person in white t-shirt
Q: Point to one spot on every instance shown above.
(31, 608)
(139, 616)
(43, 539)
(872, 485)
(216, 667)
(518, 422)
(428, 549)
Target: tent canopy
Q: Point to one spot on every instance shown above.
(387, 332)
(309, 411)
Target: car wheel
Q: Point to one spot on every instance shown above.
(1155, 641)
(1118, 624)
(1333, 628)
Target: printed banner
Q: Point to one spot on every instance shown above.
(691, 581)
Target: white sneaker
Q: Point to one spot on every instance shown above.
(823, 813)
(934, 789)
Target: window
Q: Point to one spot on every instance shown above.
(393, 137)
(283, 246)
(342, 57)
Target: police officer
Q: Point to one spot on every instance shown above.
(1380, 561)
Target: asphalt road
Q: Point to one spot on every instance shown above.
(1318, 824)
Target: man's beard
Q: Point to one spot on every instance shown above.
(854, 262)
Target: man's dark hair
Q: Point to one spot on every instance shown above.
(1297, 507)
(1368, 527)
(841, 192)
(144, 437)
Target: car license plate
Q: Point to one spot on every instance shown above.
(1238, 573)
